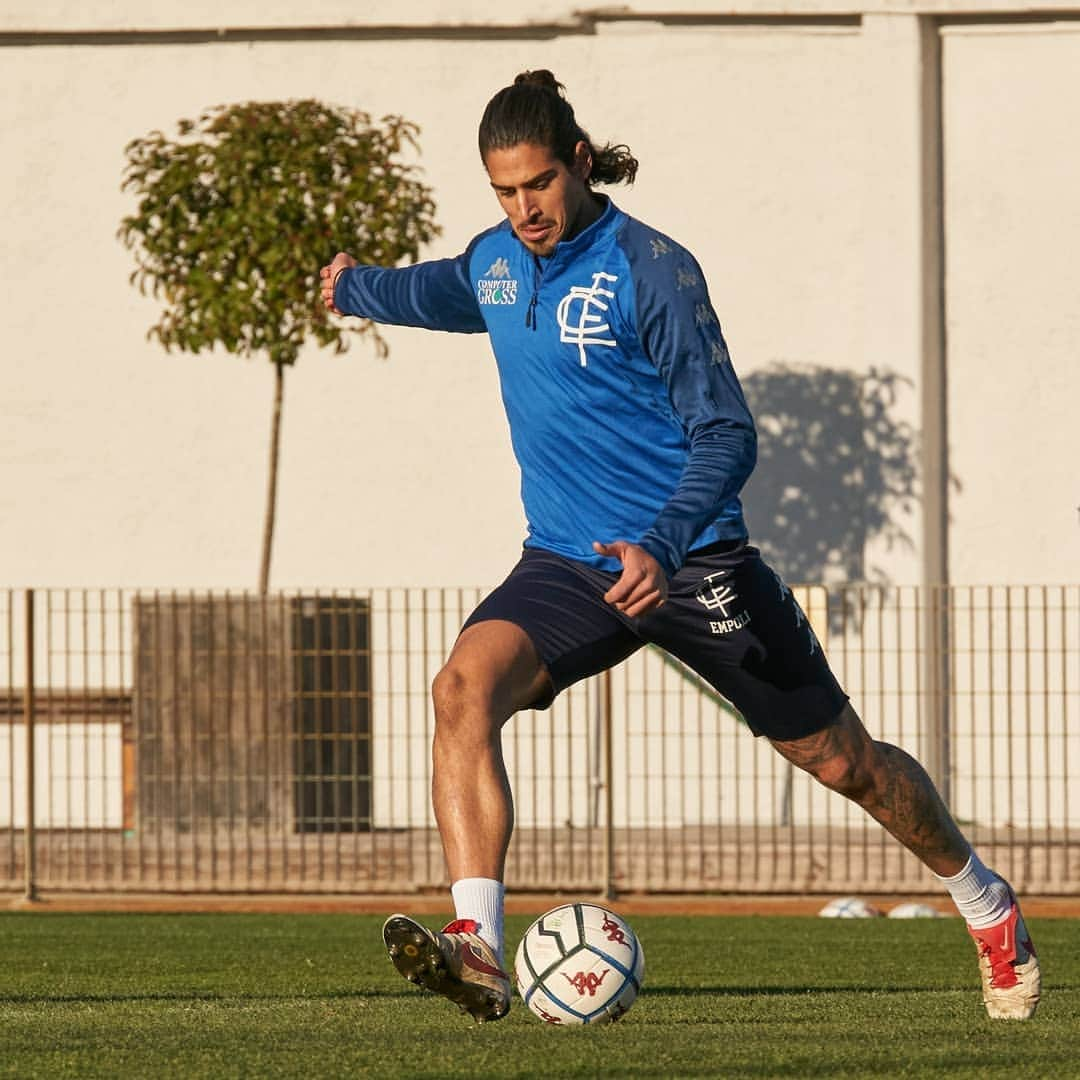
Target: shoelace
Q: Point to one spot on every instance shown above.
(1002, 971)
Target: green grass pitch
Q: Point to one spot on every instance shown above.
(314, 996)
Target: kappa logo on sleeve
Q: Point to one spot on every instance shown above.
(705, 316)
(686, 279)
(497, 286)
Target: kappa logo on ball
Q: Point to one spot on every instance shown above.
(613, 930)
(586, 982)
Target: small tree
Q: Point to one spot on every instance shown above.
(237, 214)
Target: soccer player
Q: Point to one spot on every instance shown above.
(634, 440)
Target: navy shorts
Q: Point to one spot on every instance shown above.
(728, 616)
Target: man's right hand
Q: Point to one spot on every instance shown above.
(328, 276)
(642, 586)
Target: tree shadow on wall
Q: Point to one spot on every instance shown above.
(835, 470)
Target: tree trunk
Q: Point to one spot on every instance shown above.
(271, 487)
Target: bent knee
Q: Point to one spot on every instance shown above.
(838, 773)
(452, 692)
(847, 774)
(463, 705)
(841, 756)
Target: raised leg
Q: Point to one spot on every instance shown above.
(888, 783)
(895, 790)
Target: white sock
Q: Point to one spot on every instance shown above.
(981, 897)
(482, 900)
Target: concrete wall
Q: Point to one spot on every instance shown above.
(1012, 113)
(796, 155)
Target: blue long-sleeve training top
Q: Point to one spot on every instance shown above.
(626, 416)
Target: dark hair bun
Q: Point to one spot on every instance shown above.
(540, 77)
(535, 110)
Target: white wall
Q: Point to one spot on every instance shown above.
(78, 780)
(1013, 233)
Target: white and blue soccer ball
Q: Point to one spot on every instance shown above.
(579, 964)
(915, 910)
(849, 907)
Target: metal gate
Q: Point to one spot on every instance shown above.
(225, 742)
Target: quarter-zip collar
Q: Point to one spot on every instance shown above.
(570, 249)
(565, 251)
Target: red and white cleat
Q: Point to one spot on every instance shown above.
(1009, 967)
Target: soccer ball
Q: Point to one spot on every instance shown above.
(849, 907)
(915, 911)
(579, 964)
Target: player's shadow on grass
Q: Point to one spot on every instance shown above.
(180, 996)
(799, 991)
(836, 469)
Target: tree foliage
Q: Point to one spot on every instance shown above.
(236, 215)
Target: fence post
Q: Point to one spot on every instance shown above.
(937, 681)
(29, 832)
(609, 797)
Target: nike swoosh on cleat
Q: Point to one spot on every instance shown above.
(473, 961)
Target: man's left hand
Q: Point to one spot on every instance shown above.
(642, 587)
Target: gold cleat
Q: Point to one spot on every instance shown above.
(454, 962)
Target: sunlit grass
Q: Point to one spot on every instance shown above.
(314, 996)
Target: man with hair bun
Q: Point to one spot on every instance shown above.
(634, 441)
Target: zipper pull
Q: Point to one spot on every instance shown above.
(530, 314)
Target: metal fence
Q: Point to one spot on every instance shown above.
(166, 741)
